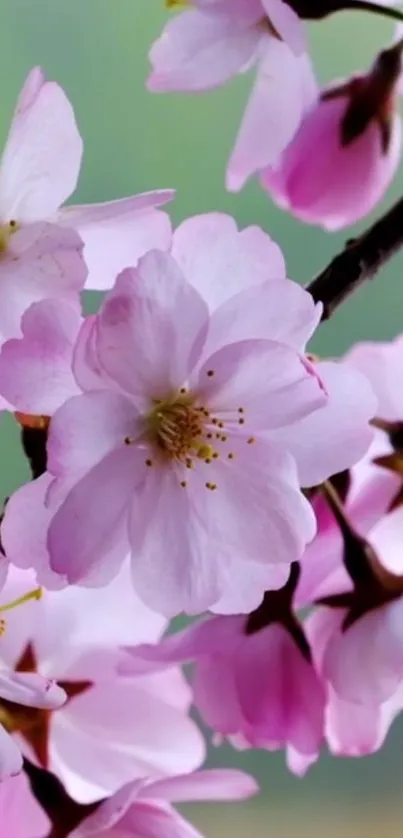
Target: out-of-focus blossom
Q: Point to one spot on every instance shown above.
(39, 171)
(111, 729)
(144, 810)
(355, 570)
(346, 151)
(352, 728)
(208, 43)
(20, 814)
(200, 406)
(254, 685)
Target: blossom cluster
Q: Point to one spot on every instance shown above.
(190, 456)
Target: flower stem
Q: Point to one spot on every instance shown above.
(375, 8)
(360, 260)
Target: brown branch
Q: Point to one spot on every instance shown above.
(63, 812)
(360, 260)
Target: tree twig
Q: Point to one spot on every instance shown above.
(63, 812)
(360, 260)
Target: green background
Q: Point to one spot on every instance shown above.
(134, 141)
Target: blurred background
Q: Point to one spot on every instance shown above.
(135, 141)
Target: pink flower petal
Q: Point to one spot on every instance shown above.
(253, 313)
(198, 51)
(218, 784)
(381, 363)
(267, 381)
(332, 438)
(116, 234)
(20, 814)
(24, 530)
(10, 757)
(287, 23)
(144, 731)
(173, 566)
(35, 370)
(273, 113)
(31, 690)
(219, 261)
(87, 535)
(145, 343)
(87, 428)
(42, 157)
(44, 261)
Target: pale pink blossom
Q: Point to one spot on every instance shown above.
(345, 153)
(181, 338)
(364, 661)
(112, 729)
(20, 814)
(372, 486)
(143, 809)
(39, 171)
(204, 46)
(258, 689)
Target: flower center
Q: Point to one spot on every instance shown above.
(6, 230)
(176, 427)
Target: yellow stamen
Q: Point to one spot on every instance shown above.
(172, 4)
(6, 230)
(35, 594)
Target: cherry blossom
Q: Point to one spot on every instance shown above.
(351, 729)
(143, 809)
(355, 131)
(223, 424)
(111, 729)
(208, 43)
(39, 171)
(254, 685)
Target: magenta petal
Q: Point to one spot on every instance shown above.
(288, 707)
